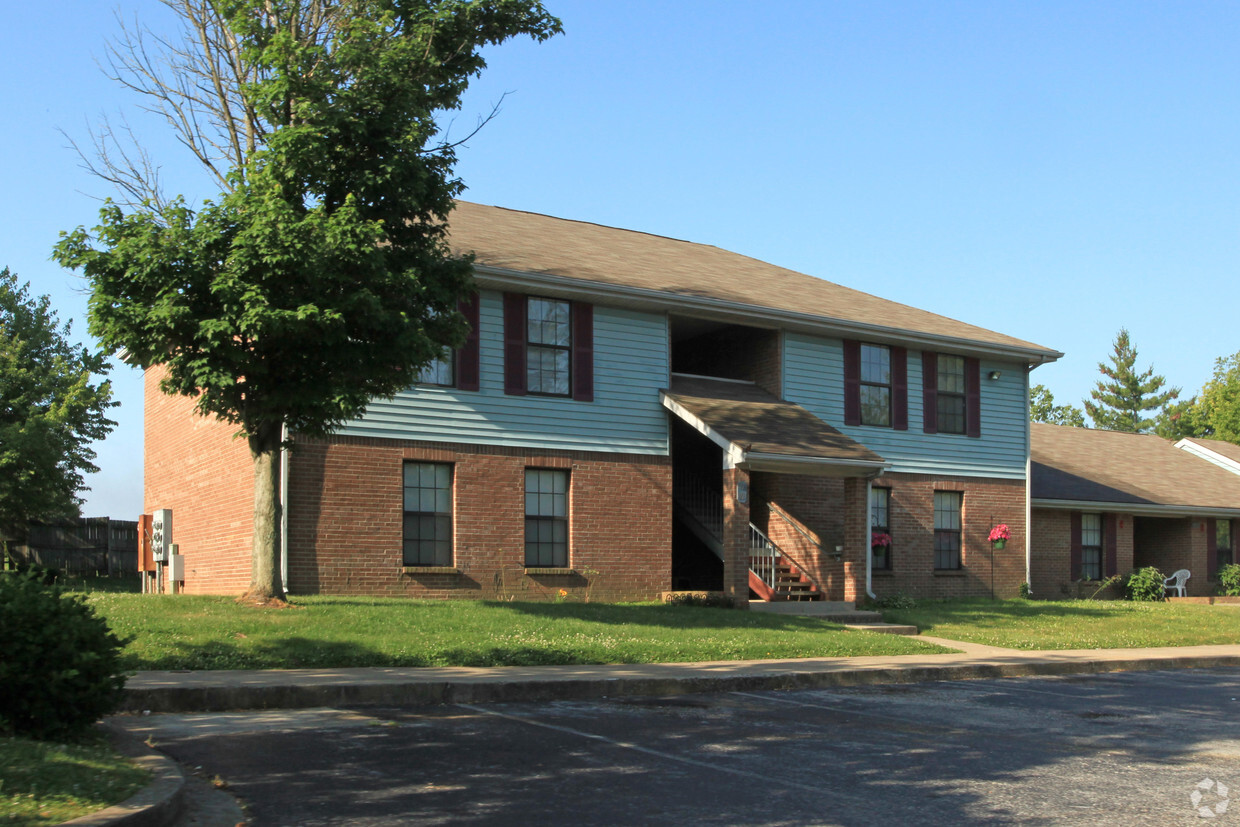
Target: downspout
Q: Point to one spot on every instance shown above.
(1028, 487)
(284, 508)
(869, 521)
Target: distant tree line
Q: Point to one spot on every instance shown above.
(1139, 401)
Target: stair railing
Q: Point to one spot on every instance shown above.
(763, 556)
(700, 500)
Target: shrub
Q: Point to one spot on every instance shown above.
(1229, 580)
(899, 600)
(59, 662)
(1025, 591)
(1144, 584)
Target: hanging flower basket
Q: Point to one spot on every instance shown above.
(879, 539)
(999, 535)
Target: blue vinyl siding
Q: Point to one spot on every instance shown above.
(814, 378)
(630, 366)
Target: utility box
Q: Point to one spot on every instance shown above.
(161, 534)
(176, 568)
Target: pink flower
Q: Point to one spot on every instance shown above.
(1000, 532)
(879, 538)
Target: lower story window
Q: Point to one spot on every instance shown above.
(546, 518)
(1091, 546)
(880, 529)
(428, 514)
(947, 529)
(1222, 543)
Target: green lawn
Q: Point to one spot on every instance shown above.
(46, 783)
(1073, 624)
(196, 632)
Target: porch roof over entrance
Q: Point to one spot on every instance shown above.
(761, 432)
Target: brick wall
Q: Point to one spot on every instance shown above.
(835, 511)
(749, 353)
(346, 518)
(193, 465)
(1170, 544)
(1051, 564)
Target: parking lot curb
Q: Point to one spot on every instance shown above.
(158, 804)
(299, 689)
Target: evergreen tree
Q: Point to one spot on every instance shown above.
(1124, 396)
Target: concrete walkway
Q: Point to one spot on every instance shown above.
(160, 804)
(301, 688)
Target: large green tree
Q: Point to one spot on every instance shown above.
(53, 404)
(1218, 404)
(1042, 408)
(320, 278)
(1124, 396)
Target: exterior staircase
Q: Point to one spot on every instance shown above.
(773, 575)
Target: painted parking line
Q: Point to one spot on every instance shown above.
(765, 778)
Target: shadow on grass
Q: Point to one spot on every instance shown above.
(662, 615)
(269, 653)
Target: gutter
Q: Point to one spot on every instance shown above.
(1138, 509)
(283, 501)
(869, 554)
(707, 307)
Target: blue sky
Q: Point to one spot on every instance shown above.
(1053, 171)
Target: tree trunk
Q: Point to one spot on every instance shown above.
(265, 581)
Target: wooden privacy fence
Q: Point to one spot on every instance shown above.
(90, 545)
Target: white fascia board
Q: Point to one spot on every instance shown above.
(753, 315)
(1209, 455)
(1136, 509)
(733, 454)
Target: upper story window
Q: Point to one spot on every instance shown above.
(876, 385)
(951, 387)
(1091, 547)
(439, 372)
(549, 332)
(947, 508)
(548, 347)
(951, 394)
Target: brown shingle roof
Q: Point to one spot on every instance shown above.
(1115, 467)
(531, 243)
(1227, 449)
(758, 422)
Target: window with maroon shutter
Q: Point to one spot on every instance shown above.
(930, 391)
(1074, 546)
(583, 352)
(469, 355)
(875, 385)
(1091, 547)
(514, 344)
(1110, 536)
(548, 347)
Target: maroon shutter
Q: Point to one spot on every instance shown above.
(930, 391)
(583, 352)
(972, 397)
(1111, 540)
(469, 354)
(1074, 545)
(1212, 548)
(899, 389)
(852, 382)
(514, 343)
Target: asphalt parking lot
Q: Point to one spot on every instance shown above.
(1118, 748)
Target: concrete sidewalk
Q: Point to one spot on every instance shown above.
(301, 688)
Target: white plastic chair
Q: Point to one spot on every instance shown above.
(1176, 582)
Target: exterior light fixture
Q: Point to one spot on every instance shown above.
(995, 374)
